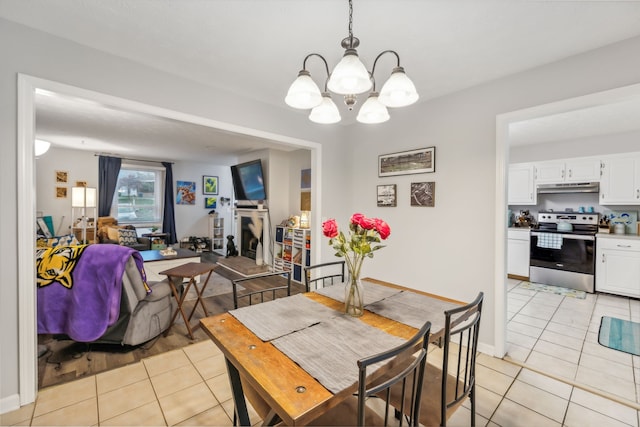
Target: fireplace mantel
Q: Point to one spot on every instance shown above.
(263, 214)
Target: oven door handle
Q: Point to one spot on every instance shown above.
(568, 236)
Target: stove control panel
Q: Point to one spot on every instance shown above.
(570, 217)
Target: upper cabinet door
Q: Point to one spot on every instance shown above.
(620, 182)
(571, 170)
(549, 172)
(582, 170)
(522, 189)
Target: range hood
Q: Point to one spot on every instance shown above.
(572, 187)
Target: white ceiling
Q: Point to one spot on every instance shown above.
(256, 47)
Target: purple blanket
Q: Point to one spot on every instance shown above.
(79, 288)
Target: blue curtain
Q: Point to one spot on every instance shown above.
(108, 170)
(169, 217)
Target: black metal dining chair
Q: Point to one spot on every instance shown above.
(446, 387)
(405, 366)
(260, 285)
(326, 274)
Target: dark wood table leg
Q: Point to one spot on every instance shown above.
(180, 299)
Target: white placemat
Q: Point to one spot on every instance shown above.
(273, 319)
(372, 292)
(413, 309)
(329, 351)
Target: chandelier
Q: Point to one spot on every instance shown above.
(350, 78)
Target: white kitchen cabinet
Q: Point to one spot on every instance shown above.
(521, 186)
(518, 241)
(618, 265)
(569, 170)
(620, 183)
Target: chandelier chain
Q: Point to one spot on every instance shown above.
(350, 20)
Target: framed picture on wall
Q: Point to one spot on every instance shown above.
(386, 195)
(186, 193)
(423, 194)
(62, 177)
(210, 185)
(210, 202)
(61, 192)
(422, 160)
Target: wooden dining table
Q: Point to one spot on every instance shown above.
(260, 371)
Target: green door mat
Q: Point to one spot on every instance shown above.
(620, 335)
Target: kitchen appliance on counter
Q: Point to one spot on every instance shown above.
(562, 250)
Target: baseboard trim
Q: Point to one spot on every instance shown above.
(9, 403)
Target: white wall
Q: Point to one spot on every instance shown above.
(193, 220)
(80, 165)
(447, 249)
(583, 147)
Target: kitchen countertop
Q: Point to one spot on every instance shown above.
(617, 236)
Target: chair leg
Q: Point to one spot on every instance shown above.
(472, 397)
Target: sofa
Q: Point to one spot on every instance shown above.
(125, 235)
(99, 293)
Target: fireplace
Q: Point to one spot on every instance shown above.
(248, 241)
(245, 241)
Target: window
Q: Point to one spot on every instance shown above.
(139, 195)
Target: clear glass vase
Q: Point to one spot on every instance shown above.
(354, 297)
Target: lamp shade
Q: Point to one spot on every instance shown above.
(83, 197)
(350, 75)
(40, 147)
(303, 92)
(398, 90)
(373, 111)
(325, 113)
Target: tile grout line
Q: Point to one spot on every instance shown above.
(576, 384)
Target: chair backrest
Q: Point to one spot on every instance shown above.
(261, 285)
(407, 373)
(326, 274)
(462, 325)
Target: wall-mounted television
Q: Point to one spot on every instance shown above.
(248, 181)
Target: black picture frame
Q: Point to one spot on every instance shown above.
(210, 185)
(421, 160)
(386, 195)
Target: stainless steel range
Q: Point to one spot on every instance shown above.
(563, 250)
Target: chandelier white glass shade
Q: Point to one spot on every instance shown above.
(349, 78)
(325, 113)
(40, 147)
(373, 111)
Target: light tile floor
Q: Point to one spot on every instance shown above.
(551, 333)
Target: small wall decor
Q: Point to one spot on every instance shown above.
(81, 183)
(210, 202)
(422, 160)
(185, 193)
(209, 185)
(423, 194)
(61, 192)
(386, 195)
(62, 177)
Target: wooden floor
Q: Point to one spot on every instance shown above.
(66, 360)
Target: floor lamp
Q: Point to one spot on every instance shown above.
(83, 198)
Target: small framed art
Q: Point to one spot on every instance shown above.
(422, 160)
(210, 202)
(423, 194)
(186, 193)
(210, 185)
(386, 195)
